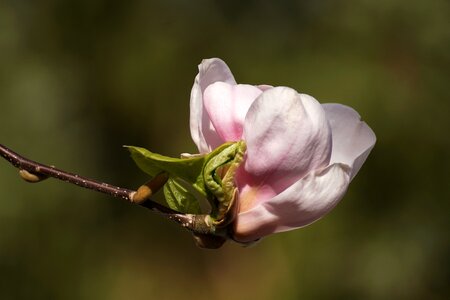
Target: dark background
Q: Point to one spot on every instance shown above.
(80, 78)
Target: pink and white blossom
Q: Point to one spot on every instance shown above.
(301, 155)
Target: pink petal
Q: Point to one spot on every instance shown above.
(227, 106)
(202, 131)
(304, 202)
(287, 136)
(352, 138)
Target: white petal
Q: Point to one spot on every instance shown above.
(202, 131)
(352, 138)
(304, 202)
(287, 136)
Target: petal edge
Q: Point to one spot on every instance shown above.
(353, 139)
(202, 132)
(301, 204)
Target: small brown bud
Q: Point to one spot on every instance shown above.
(209, 241)
(146, 190)
(31, 177)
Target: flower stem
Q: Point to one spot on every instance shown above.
(32, 171)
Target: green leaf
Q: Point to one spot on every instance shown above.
(189, 169)
(180, 199)
(212, 175)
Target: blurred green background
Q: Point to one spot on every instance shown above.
(80, 78)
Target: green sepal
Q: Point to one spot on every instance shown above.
(228, 179)
(180, 199)
(219, 174)
(211, 177)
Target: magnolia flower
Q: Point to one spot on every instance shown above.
(301, 155)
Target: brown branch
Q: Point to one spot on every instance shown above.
(32, 171)
(41, 172)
